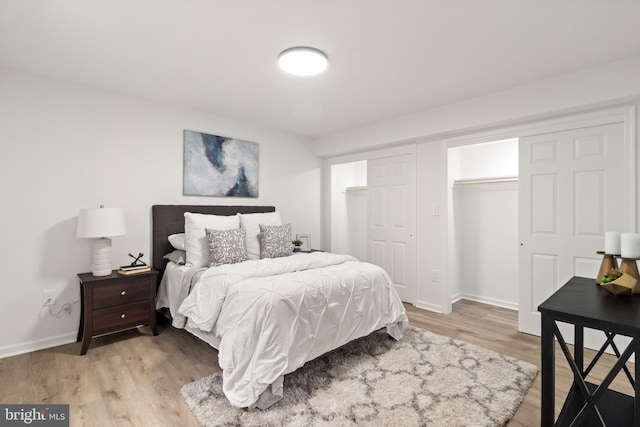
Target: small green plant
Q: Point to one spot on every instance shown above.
(610, 276)
(297, 242)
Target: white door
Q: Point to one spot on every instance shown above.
(391, 205)
(572, 188)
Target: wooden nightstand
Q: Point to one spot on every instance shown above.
(114, 303)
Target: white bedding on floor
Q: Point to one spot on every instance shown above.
(273, 315)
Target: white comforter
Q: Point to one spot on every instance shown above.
(275, 315)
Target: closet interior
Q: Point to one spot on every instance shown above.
(483, 218)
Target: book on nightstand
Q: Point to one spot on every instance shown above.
(136, 270)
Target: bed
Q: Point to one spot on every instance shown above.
(267, 317)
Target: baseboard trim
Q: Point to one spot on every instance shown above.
(485, 300)
(423, 305)
(29, 346)
(456, 297)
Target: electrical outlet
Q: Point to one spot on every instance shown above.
(435, 210)
(435, 275)
(49, 297)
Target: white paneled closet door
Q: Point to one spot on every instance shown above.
(391, 205)
(572, 188)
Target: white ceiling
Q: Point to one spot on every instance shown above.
(387, 57)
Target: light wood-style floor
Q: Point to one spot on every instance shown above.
(133, 378)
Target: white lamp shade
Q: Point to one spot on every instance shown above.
(101, 222)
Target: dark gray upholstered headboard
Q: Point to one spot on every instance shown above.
(169, 219)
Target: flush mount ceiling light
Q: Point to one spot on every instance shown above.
(303, 61)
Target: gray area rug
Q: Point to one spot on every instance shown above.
(423, 380)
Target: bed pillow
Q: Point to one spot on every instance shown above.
(196, 239)
(275, 241)
(177, 256)
(226, 246)
(178, 241)
(251, 222)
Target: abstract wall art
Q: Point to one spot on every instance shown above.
(219, 166)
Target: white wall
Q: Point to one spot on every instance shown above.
(65, 147)
(488, 257)
(497, 159)
(608, 84)
(348, 230)
(431, 179)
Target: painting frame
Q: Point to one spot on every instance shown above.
(219, 166)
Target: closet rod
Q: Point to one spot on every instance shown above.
(485, 180)
(352, 189)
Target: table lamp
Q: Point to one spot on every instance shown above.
(101, 224)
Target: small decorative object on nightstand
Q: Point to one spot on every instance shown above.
(137, 266)
(305, 245)
(116, 302)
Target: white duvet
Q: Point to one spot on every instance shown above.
(274, 315)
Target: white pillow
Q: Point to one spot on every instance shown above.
(251, 224)
(196, 243)
(177, 256)
(178, 241)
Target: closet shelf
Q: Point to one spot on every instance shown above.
(354, 189)
(461, 182)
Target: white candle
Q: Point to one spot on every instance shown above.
(612, 243)
(630, 245)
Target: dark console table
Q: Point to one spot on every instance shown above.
(586, 305)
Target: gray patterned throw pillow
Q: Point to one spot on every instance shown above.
(275, 241)
(226, 246)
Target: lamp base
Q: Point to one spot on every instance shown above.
(101, 257)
